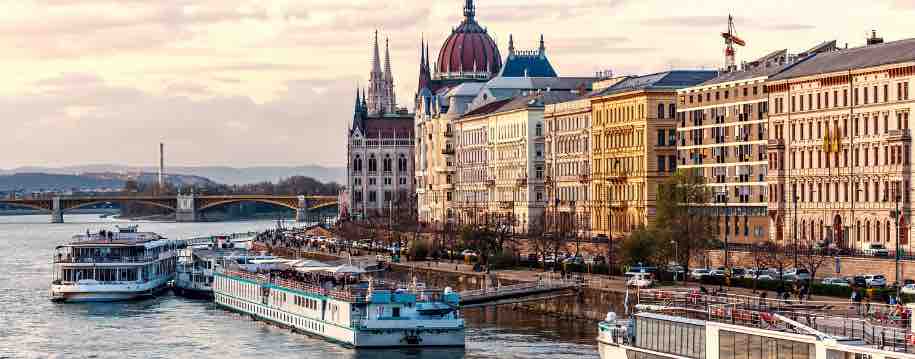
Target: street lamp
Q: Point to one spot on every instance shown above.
(896, 214)
(676, 256)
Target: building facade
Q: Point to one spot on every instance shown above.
(568, 164)
(840, 147)
(380, 149)
(633, 138)
(502, 175)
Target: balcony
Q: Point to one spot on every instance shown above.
(448, 151)
(584, 178)
(449, 133)
(776, 144)
(490, 182)
(521, 182)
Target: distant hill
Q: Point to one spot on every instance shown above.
(226, 175)
(42, 181)
(30, 182)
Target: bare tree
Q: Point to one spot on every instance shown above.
(812, 258)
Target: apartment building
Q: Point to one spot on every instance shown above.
(633, 138)
(840, 147)
(568, 164)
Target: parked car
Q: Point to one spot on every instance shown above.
(639, 280)
(719, 272)
(908, 289)
(875, 280)
(738, 272)
(468, 253)
(799, 274)
(835, 281)
(698, 273)
(859, 281)
(876, 250)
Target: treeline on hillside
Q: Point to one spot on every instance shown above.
(294, 185)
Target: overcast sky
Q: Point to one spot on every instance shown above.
(271, 82)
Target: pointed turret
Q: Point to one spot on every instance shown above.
(387, 60)
(542, 46)
(511, 45)
(469, 11)
(376, 60)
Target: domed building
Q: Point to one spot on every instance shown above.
(469, 52)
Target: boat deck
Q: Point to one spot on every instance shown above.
(876, 326)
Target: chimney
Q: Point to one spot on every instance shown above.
(874, 40)
(161, 165)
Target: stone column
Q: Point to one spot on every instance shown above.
(57, 213)
(186, 209)
(301, 213)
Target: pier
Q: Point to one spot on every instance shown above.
(515, 293)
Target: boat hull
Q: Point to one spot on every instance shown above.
(76, 293)
(192, 292)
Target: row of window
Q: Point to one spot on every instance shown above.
(357, 181)
(725, 94)
(732, 345)
(862, 95)
(618, 139)
(886, 191)
(387, 163)
(664, 336)
(373, 196)
(804, 129)
(892, 155)
(272, 314)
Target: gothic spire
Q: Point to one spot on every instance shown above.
(376, 62)
(387, 61)
(469, 11)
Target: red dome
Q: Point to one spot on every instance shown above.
(469, 45)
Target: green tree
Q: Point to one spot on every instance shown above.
(641, 247)
(683, 229)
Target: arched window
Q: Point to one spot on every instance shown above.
(867, 231)
(387, 163)
(373, 164)
(888, 231)
(672, 111)
(803, 233)
(357, 164)
(402, 163)
(877, 231)
(858, 231)
(660, 111)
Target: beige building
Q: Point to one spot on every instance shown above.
(501, 159)
(722, 137)
(633, 137)
(568, 164)
(840, 147)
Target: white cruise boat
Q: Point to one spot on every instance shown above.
(332, 303)
(113, 266)
(686, 324)
(194, 273)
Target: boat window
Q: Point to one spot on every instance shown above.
(670, 337)
(732, 345)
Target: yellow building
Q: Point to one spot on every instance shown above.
(633, 137)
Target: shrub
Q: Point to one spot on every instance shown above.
(419, 250)
(504, 260)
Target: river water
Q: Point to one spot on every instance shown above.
(31, 326)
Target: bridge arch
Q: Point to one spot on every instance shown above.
(89, 203)
(238, 200)
(26, 205)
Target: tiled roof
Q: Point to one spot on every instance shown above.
(538, 99)
(527, 66)
(675, 79)
(854, 58)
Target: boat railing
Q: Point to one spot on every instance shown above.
(104, 259)
(349, 295)
(881, 326)
(614, 334)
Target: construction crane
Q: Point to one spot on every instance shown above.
(730, 39)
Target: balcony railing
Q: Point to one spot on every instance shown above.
(447, 151)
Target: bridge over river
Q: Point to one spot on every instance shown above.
(187, 207)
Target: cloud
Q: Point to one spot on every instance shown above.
(80, 121)
(721, 22)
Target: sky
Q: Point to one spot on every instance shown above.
(272, 82)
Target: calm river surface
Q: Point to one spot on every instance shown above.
(171, 327)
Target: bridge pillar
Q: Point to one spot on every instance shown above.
(301, 213)
(57, 213)
(186, 211)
